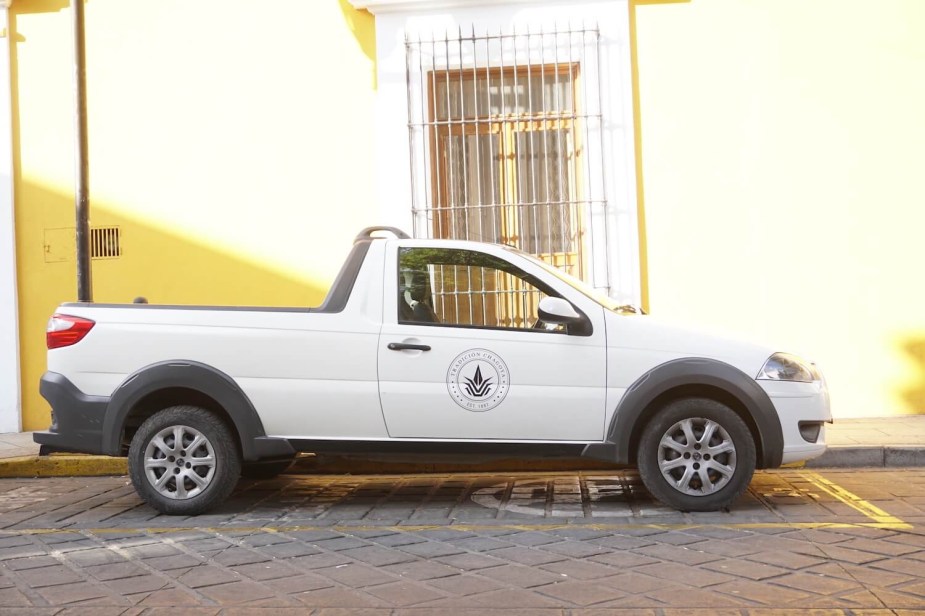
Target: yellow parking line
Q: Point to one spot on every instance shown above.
(347, 530)
(854, 501)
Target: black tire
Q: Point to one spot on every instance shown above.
(180, 492)
(265, 469)
(691, 482)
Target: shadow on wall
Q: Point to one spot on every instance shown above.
(162, 266)
(915, 396)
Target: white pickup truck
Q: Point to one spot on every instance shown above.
(424, 347)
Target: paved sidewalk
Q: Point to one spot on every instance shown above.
(16, 444)
(853, 443)
(19, 457)
(875, 441)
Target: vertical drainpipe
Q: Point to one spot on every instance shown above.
(10, 386)
(82, 191)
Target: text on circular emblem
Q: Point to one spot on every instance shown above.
(478, 380)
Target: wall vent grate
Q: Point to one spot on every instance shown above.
(105, 243)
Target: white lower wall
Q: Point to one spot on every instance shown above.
(10, 398)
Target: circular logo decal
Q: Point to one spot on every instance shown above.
(478, 380)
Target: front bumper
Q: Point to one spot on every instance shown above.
(76, 418)
(800, 402)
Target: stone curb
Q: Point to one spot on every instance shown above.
(58, 465)
(856, 456)
(76, 465)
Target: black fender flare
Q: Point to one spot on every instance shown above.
(201, 378)
(635, 403)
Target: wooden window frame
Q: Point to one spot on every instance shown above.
(507, 126)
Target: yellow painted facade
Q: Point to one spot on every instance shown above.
(783, 144)
(230, 142)
(780, 145)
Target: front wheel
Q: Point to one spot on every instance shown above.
(183, 460)
(696, 454)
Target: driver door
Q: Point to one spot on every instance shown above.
(463, 356)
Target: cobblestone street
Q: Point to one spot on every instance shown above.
(835, 541)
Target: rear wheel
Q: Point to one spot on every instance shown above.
(183, 460)
(696, 454)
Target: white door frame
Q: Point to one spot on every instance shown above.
(10, 393)
(619, 254)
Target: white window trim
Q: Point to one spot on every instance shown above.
(619, 255)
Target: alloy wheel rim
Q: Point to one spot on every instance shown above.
(179, 462)
(696, 456)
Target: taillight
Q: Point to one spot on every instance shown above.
(64, 330)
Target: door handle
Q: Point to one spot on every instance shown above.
(402, 346)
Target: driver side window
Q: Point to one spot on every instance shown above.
(465, 288)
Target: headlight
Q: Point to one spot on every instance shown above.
(786, 367)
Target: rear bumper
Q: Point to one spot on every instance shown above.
(76, 418)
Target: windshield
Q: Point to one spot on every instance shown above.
(576, 283)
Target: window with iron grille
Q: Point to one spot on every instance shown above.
(463, 288)
(501, 127)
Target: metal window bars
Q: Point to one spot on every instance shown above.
(501, 129)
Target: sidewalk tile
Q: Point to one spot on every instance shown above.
(744, 568)
(377, 556)
(11, 597)
(581, 593)
(356, 575)
(760, 592)
(305, 582)
(678, 554)
(239, 556)
(521, 577)
(172, 597)
(421, 570)
(636, 583)
(623, 560)
(691, 576)
(497, 600)
(64, 594)
(527, 556)
(463, 584)
(235, 593)
(786, 560)
(470, 562)
(48, 576)
(141, 583)
(816, 583)
(340, 598)
(268, 570)
(404, 594)
(207, 575)
(574, 549)
(580, 569)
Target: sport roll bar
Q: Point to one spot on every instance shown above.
(367, 233)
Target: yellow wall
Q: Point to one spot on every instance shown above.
(781, 147)
(231, 141)
(783, 144)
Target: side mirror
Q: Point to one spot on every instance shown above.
(557, 310)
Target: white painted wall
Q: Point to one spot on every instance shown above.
(616, 243)
(10, 400)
